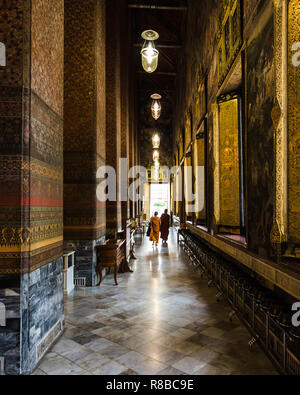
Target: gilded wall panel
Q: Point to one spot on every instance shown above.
(293, 126)
(216, 162)
(188, 130)
(200, 182)
(188, 185)
(229, 164)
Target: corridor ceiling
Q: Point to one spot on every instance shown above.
(167, 17)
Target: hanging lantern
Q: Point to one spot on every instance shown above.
(149, 52)
(155, 155)
(156, 106)
(156, 141)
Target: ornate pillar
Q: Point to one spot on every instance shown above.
(285, 115)
(31, 180)
(84, 131)
(113, 109)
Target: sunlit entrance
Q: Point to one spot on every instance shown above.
(159, 198)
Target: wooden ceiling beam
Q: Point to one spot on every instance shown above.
(157, 85)
(161, 45)
(158, 7)
(166, 73)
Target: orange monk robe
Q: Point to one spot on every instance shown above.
(165, 225)
(155, 228)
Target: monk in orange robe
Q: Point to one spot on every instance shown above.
(165, 226)
(155, 228)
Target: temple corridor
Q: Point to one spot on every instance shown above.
(161, 320)
(127, 117)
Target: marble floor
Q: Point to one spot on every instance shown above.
(161, 320)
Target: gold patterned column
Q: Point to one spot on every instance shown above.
(285, 116)
(216, 163)
(279, 116)
(293, 85)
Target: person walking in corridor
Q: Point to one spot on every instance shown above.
(165, 226)
(155, 228)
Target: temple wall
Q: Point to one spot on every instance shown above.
(31, 176)
(200, 61)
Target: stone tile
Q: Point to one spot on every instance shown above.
(39, 372)
(120, 330)
(76, 354)
(167, 340)
(169, 356)
(85, 338)
(185, 347)
(183, 333)
(149, 367)
(169, 371)
(64, 345)
(93, 361)
(106, 331)
(213, 332)
(202, 340)
(188, 365)
(205, 354)
(60, 366)
(152, 350)
(129, 372)
(71, 332)
(134, 342)
(92, 326)
(111, 369)
(132, 359)
(99, 344)
(209, 370)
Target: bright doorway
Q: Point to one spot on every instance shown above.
(159, 198)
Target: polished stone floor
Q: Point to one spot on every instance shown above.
(161, 320)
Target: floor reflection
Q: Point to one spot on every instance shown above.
(162, 319)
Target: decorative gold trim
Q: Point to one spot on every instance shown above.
(230, 7)
(216, 150)
(279, 233)
(291, 18)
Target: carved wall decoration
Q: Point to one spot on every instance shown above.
(200, 179)
(216, 161)
(293, 95)
(84, 109)
(188, 130)
(200, 106)
(177, 182)
(229, 163)
(279, 117)
(188, 185)
(181, 148)
(285, 115)
(31, 176)
(230, 37)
